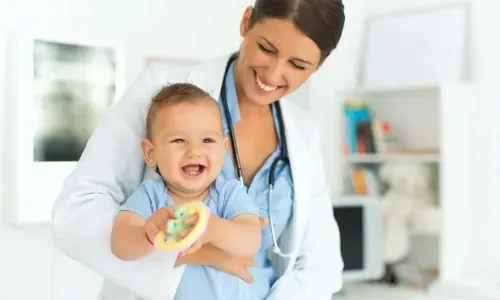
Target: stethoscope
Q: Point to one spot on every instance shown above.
(282, 157)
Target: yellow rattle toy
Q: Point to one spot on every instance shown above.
(176, 226)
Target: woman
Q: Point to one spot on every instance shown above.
(284, 43)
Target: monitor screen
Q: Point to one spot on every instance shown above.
(350, 222)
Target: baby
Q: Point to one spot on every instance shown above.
(185, 142)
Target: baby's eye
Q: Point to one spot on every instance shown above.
(208, 140)
(177, 141)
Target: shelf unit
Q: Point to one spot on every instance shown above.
(433, 125)
(415, 113)
(392, 157)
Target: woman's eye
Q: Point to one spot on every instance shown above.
(177, 141)
(297, 66)
(265, 49)
(208, 140)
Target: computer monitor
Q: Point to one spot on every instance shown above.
(360, 224)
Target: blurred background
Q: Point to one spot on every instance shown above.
(407, 104)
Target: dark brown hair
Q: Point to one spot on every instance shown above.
(174, 94)
(321, 20)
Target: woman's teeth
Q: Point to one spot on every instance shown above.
(265, 87)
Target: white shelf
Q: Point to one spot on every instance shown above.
(394, 90)
(394, 157)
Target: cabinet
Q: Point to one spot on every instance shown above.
(432, 126)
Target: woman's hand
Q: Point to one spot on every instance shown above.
(238, 266)
(209, 255)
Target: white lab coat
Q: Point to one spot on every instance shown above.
(111, 167)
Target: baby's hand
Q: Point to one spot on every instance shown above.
(191, 222)
(158, 221)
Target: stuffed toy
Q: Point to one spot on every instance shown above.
(409, 205)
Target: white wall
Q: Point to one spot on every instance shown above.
(145, 28)
(29, 267)
(153, 27)
(483, 242)
(339, 72)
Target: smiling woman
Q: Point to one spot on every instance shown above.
(284, 43)
(289, 38)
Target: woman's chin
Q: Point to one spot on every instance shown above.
(264, 98)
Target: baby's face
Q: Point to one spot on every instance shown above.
(189, 145)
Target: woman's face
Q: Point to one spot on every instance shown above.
(275, 59)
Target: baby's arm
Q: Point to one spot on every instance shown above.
(136, 222)
(128, 240)
(239, 236)
(238, 230)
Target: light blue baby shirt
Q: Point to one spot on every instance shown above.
(227, 199)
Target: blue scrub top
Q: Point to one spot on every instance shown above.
(283, 195)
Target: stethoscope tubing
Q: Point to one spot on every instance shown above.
(282, 157)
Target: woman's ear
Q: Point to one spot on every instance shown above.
(245, 21)
(148, 152)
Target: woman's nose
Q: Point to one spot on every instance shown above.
(274, 74)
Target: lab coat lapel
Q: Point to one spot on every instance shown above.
(298, 157)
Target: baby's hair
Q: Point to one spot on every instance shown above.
(174, 94)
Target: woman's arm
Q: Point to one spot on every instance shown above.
(317, 273)
(109, 170)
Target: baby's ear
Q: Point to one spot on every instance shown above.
(148, 152)
(225, 141)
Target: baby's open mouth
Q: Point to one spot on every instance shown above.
(194, 169)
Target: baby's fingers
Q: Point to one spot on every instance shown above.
(183, 234)
(191, 220)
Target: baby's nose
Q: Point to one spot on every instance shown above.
(194, 151)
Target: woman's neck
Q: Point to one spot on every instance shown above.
(250, 110)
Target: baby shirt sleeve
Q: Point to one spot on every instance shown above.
(145, 200)
(234, 200)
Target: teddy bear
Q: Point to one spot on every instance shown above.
(409, 205)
